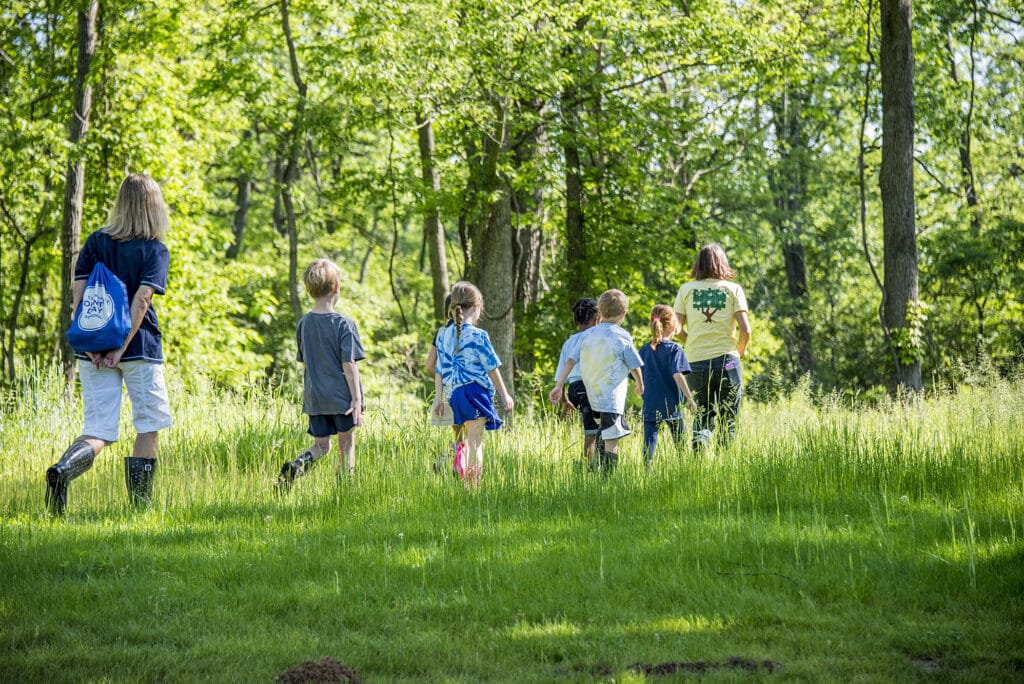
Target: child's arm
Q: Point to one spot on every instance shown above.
(684, 387)
(499, 383)
(556, 393)
(432, 359)
(438, 394)
(351, 371)
(638, 378)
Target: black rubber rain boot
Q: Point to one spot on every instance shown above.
(76, 460)
(609, 461)
(138, 478)
(293, 469)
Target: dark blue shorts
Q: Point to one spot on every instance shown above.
(327, 425)
(472, 402)
(577, 394)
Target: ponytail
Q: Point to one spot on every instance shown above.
(663, 319)
(657, 332)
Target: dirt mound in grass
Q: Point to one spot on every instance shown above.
(697, 666)
(318, 671)
(663, 669)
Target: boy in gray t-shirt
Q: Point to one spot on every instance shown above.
(332, 395)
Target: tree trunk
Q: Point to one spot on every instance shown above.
(492, 268)
(291, 169)
(433, 230)
(243, 199)
(896, 181)
(25, 262)
(528, 205)
(577, 282)
(788, 181)
(74, 188)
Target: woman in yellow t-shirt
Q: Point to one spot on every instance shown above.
(712, 309)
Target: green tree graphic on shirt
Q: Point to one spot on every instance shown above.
(709, 302)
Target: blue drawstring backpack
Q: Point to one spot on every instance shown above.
(103, 319)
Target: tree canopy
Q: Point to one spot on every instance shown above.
(573, 147)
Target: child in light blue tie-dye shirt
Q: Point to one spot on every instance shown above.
(467, 373)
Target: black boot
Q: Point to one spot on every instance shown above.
(609, 461)
(138, 478)
(75, 461)
(293, 469)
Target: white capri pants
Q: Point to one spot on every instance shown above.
(101, 397)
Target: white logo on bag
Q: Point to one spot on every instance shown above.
(97, 308)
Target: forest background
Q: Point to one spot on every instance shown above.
(545, 150)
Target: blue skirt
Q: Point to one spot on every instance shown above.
(472, 402)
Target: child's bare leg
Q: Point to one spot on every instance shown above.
(347, 450)
(321, 447)
(475, 441)
(611, 445)
(590, 447)
(475, 448)
(459, 433)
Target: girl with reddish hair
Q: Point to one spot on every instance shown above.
(664, 370)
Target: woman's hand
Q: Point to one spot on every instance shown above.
(112, 358)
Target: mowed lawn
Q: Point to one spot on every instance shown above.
(880, 543)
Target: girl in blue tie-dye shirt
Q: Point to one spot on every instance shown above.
(467, 373)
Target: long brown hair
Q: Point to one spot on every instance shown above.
(663, 319)
(711, 263)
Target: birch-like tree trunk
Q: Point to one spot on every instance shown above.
(291, 169)
(433, 230)
(74, 187)
(896, 181)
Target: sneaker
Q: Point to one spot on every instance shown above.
(289, 471)
(459, 462)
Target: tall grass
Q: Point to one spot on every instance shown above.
(873, 543)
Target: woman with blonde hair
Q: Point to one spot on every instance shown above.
(712, 311)
(130, 244)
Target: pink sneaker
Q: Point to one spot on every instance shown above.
(459, 462)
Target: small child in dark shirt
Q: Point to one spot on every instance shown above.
(664, 370)
(332, 395)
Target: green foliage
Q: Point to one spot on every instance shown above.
(702, 122)
(909, 340)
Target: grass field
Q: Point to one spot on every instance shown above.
(881, 544)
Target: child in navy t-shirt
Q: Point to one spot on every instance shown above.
(664, 370)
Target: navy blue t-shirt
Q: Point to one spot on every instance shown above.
(135, 262)
(662, 396)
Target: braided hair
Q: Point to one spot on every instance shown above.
(465, 296)
(584, 310)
